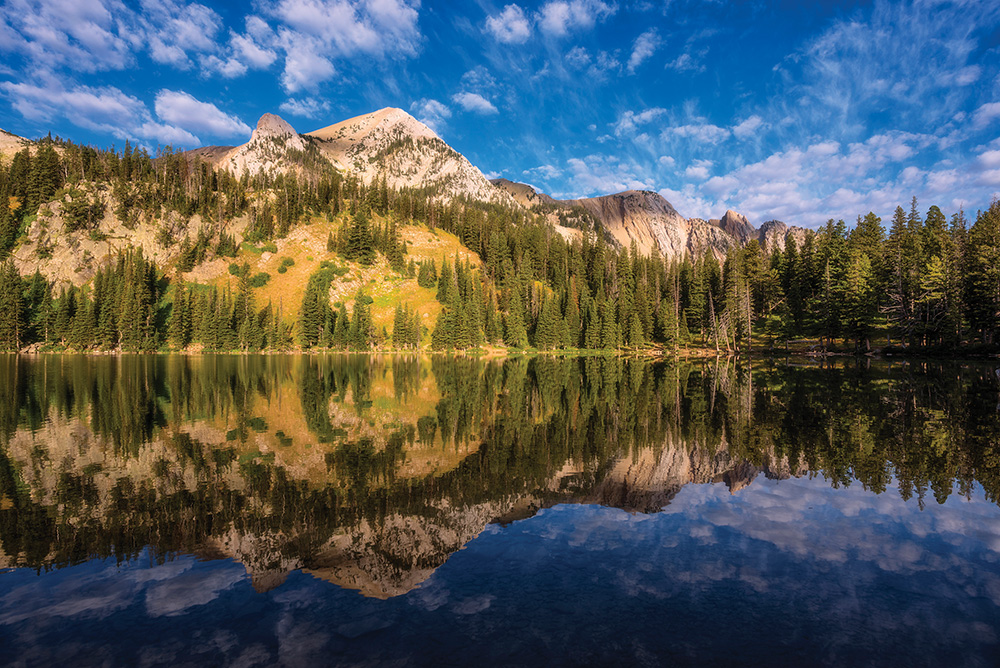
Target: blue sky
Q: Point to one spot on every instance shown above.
(788, 110)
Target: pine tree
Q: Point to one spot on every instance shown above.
(400, 328)
(860, 306)
(445, 281)
(342, 328)
(178, 334)
(362, 329)
(592, 334)
(11, 308)
(983, 278)
(84, 323)
(547, 329)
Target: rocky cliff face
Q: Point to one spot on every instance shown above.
(651, 222)
(393, 144)
(736, 225)
(775, 234)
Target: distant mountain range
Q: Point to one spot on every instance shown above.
(391, 143)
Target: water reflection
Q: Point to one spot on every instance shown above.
(369, 472)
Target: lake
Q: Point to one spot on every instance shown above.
(428, 511)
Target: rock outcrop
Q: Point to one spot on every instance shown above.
(646, 218)
(736, 225)
(775, 234)
(11, 144)
(524, 194)
(652, 223)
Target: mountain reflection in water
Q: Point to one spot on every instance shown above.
(172, 483)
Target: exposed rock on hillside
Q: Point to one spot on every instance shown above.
(652, 223)
(393, 144)
(737, 225)
(522, 193)
(11, 144)
(271, 148)
(775, 233)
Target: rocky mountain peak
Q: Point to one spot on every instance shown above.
(391, 143)
(737, 225)
(271, 126)
(267, 150)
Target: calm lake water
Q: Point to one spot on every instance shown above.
(287, 510)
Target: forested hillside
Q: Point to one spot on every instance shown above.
(926, 280)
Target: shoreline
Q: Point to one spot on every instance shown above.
(498, 353)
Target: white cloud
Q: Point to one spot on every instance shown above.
(794, 185)
(184, 111)
(989, 159)
(510, 26)
(578, 57)
(986, 114)
(687, 62)
(474, 102)
(913, 58)
(104, 109)
(630, 120)
(748, 128)
(173, 29)
(603, 174)
(305, 66)
(645, 46)
(347, 28)
(255, 49)
(317, 32)
(82, 35)
(431, 113)
(699, 170)
(308, 107)
(688, 202)
(479, 78)
(559, 17)
(705, 133)
(546, 172)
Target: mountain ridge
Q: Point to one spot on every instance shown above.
(390, 143)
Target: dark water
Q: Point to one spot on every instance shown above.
(265, 511)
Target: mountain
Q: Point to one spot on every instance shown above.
(652, 223)
(523, 194)
(391, 143)
(388, 144)
(11, 144)
(646, 218)
(268, 148)
(736, 225)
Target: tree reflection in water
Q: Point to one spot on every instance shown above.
(370, 471)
